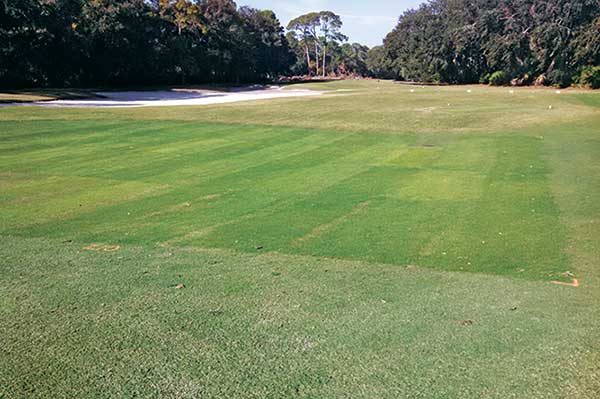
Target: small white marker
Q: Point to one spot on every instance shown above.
(468, 91)
(412, 90)
(549, 106)
(557, 91)
(511, 91)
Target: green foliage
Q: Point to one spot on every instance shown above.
(349, 59)
(589, 76)
(498, 78)
(318, 33)
(462, 41)
(378, 63)
(302, 32)
(559, 78)
(137, 42)
(485, 78)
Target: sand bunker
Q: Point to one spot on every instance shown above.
(176, 97)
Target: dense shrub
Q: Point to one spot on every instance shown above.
(499, 78)
(589, 77)
(484, 79)
(559, 78)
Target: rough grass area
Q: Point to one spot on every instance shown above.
(373, 242)
(88, 324)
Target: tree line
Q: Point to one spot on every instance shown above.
(515, 42)
(62, 43)
(132, 42)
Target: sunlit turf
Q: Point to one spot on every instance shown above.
(368, 243)
(468, 204)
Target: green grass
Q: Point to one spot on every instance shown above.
(330, 246)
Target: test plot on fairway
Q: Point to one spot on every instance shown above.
(477, 204)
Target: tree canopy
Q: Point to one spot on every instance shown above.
(130, 42)
(316, 32)
(466, 41)
(142, 42)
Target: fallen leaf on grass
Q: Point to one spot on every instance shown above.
(466, 322)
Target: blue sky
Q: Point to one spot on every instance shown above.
(365, 21)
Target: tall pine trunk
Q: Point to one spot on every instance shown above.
(317, 57)
(307, 58)
(324, 60)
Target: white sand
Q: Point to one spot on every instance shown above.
(177, 97)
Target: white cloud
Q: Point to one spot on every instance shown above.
(369, 19)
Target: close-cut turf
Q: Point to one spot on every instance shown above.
(377, 241)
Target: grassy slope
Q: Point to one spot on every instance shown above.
(378, 175)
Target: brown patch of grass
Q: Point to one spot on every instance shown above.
(102, 248)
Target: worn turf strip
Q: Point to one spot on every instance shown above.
(373, 243)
